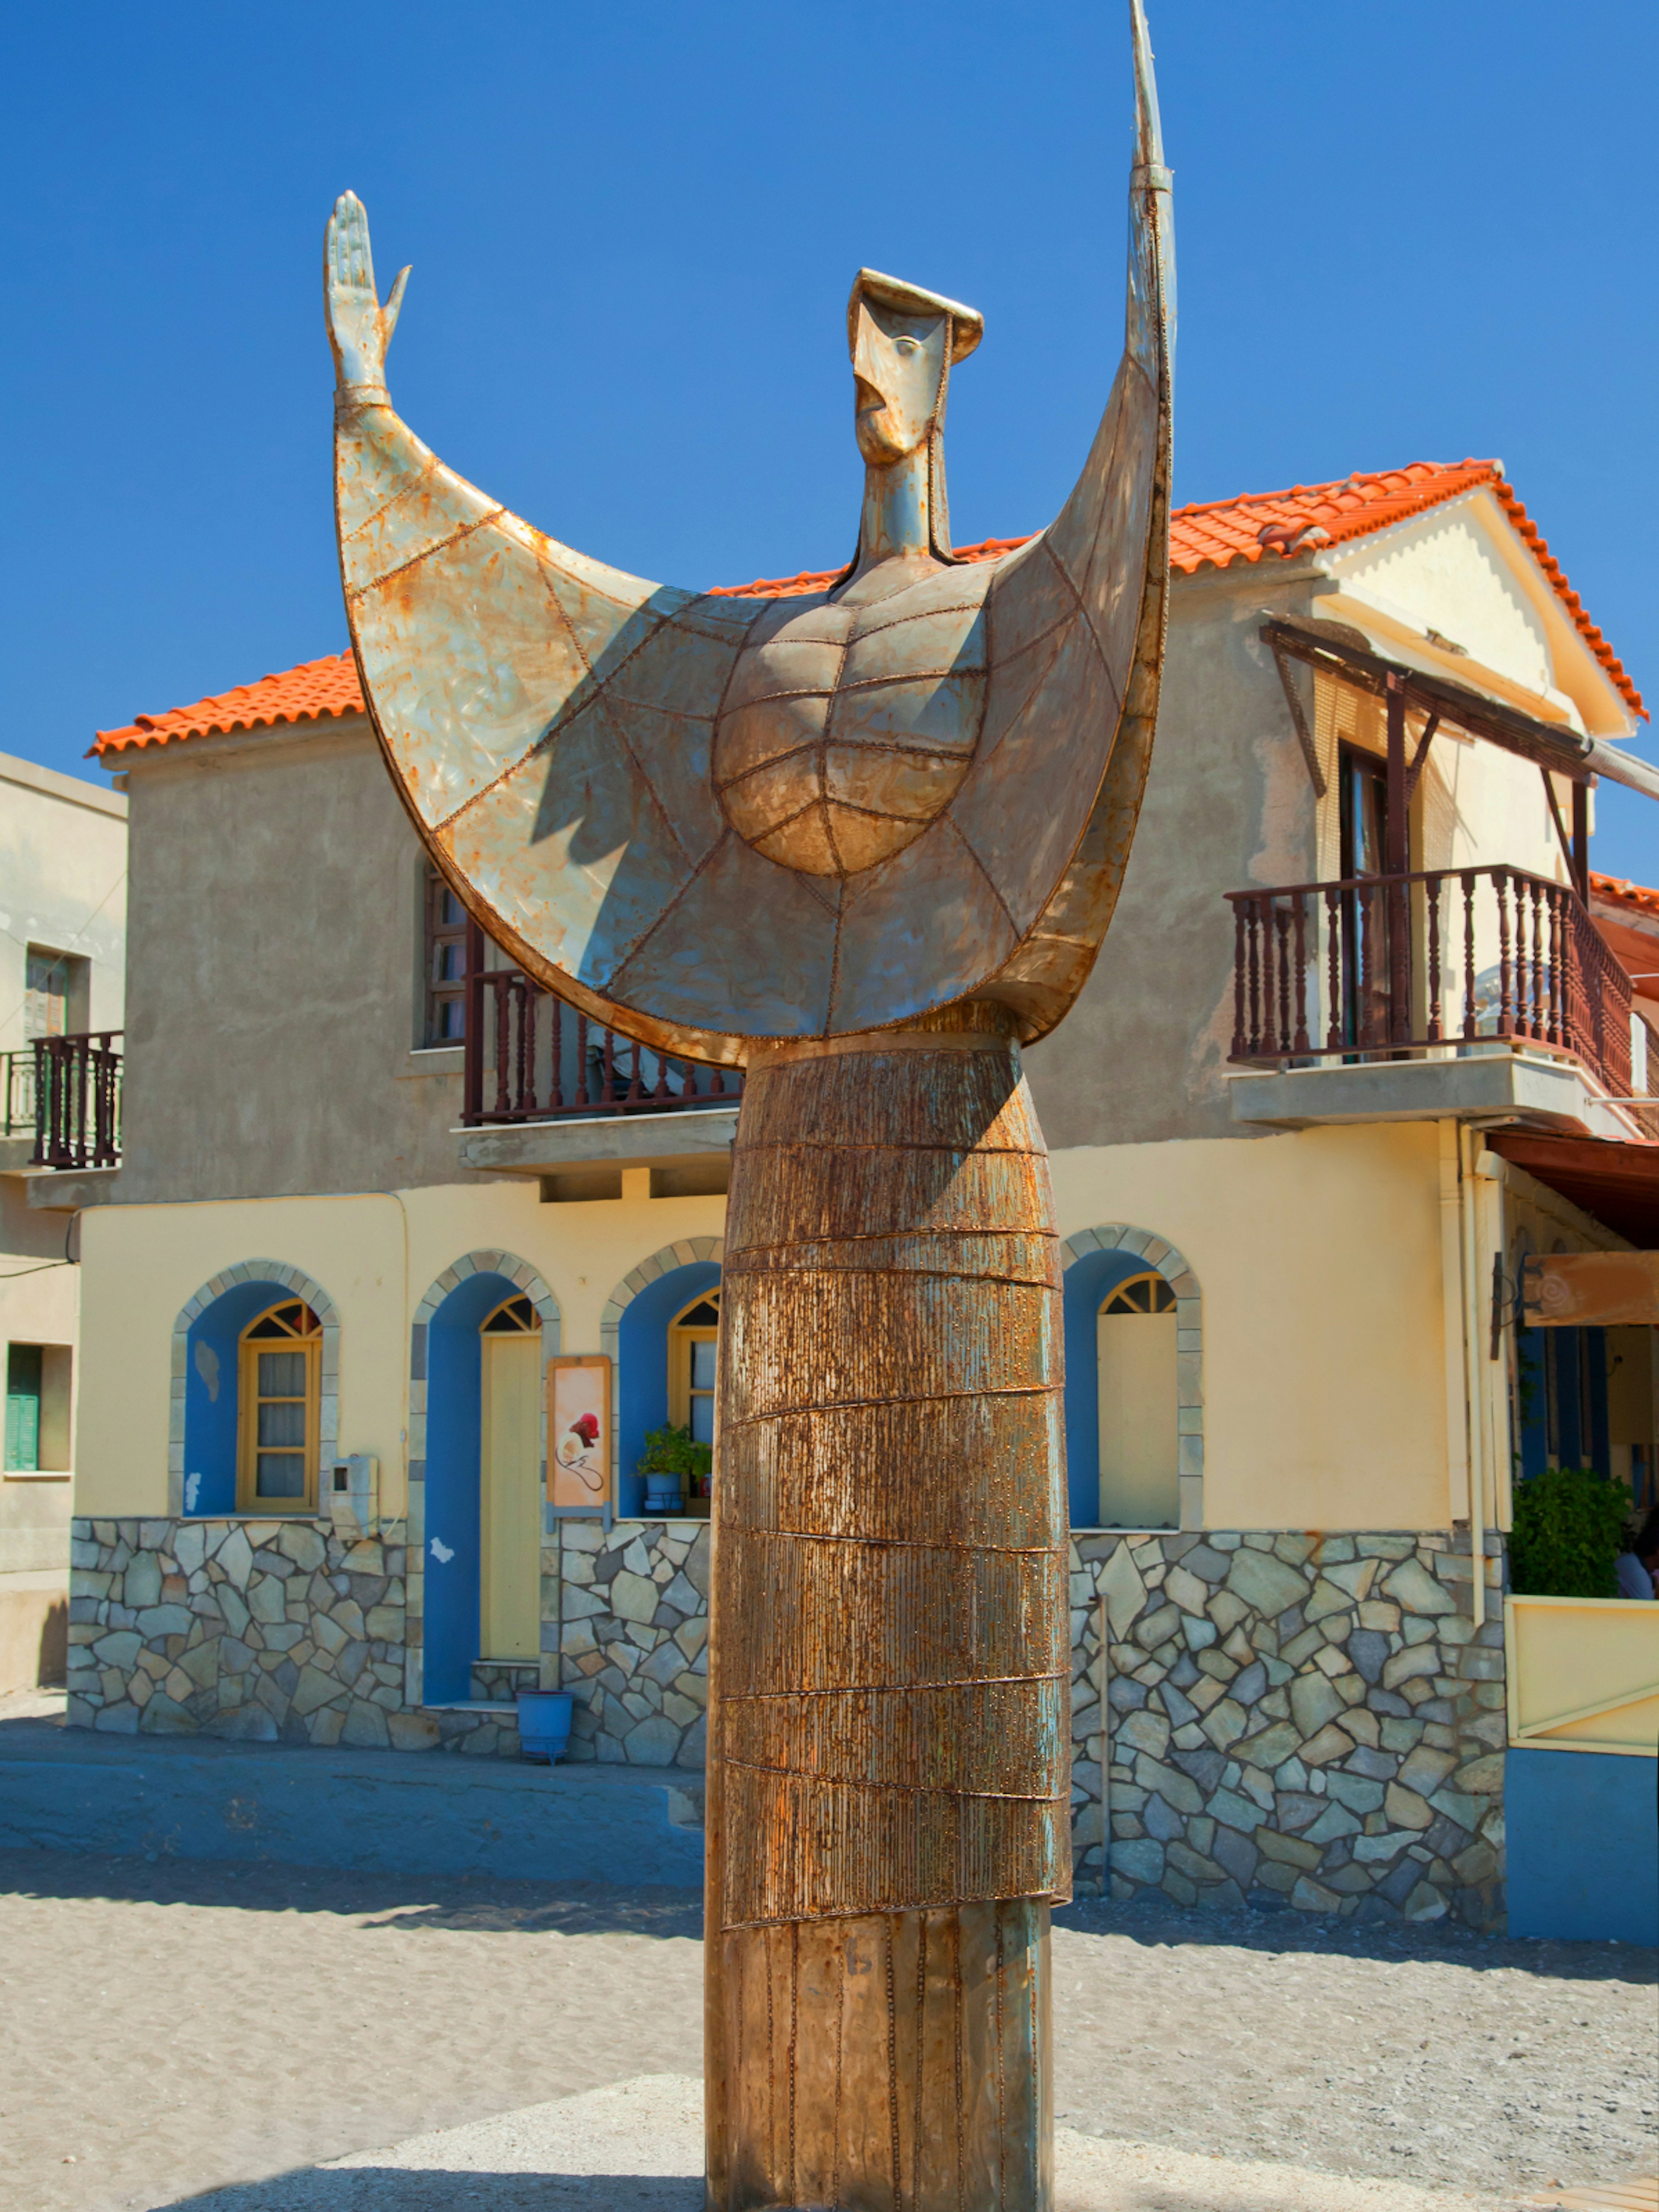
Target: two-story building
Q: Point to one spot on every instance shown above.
(1353, 1037)
(63, 920)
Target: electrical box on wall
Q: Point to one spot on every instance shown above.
(353, 1496)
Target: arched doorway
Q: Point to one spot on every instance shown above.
(1135, 1356)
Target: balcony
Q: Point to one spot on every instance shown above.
(64, 1094)
(546, 1092)
(1496, 978)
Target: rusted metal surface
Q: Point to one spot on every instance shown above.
(704, 819)
(862, 843)
(1590, 1290)
(889, 1638)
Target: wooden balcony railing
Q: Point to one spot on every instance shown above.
(1449, 957)
(72, 1087)
(531, 1057)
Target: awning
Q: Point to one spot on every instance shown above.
(1619, 1184)
(1345, 651)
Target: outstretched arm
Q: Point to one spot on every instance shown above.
(359, 328)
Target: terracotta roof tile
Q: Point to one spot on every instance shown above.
(1307, 515)
(1215, 534)
(1619, 891)
(315, 692)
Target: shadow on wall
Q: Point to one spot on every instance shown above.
(33, 1639)
(52, 1663)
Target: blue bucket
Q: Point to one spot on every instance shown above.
(544, 1723)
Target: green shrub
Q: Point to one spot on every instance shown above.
(1569, 1531)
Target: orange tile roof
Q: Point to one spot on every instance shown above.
(1215, 534)
(1619, 891)
(315, 692)
(1309, 515)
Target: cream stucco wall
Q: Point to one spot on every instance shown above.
(1317, 1254)
(1318, 1258)
(376, 1255)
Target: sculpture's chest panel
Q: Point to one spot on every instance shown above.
(847, 729)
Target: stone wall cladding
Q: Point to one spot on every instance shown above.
(268, 1630)
(276, 1630)
(634, 1639)
(1292, 1720)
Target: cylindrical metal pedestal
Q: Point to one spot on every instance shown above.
(889, 1744)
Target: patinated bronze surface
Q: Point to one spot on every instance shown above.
(864, 843)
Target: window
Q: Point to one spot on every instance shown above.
(445, 964)
(1135, 1335)
(513, 1317)
(279, 1402)
(693, 1341)
(38, 1399)
(54, 993)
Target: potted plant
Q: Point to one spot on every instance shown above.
(677, 1472)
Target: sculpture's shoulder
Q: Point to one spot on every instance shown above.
(897, 619)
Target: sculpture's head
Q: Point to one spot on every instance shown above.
(903, 342)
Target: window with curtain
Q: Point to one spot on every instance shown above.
(279, 1403)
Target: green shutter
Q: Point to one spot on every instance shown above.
(23, 1406)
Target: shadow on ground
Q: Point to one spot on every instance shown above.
(409, 1902)
(1280, 1934)
(392, 2189)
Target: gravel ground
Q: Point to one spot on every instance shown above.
(637, 2147)
(168, 2028)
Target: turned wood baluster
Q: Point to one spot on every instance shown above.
(498, 994)
(1299, 1043)
(582, 1098)
(1282, 919)
(1333, 965)
(1555, 902)
(1253, 963)
(1432, 888)
(525, 1007)
(1241, 1041)
(1365, 922)
(1536, 988)
(1505, 998)
(1268, 979)
(1471, 1025)
(608, 1070)
(556, 1103)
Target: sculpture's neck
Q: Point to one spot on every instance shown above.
(897, 518)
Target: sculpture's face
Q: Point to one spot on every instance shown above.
(898, 362)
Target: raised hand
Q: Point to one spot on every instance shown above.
(359, 328)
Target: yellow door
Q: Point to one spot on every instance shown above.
(510, 1504)
(1138, 1448)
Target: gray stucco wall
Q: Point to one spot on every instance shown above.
(1229, 803)
(274, 926)
(273, 935)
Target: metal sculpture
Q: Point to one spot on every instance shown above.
(864, 843)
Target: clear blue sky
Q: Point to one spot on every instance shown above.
(1407, 230)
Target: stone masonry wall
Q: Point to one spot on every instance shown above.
(1288, 1720)
(269, 1630)
(633, 1639)
(1291, 1720)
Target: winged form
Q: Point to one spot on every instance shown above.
(706, 818)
